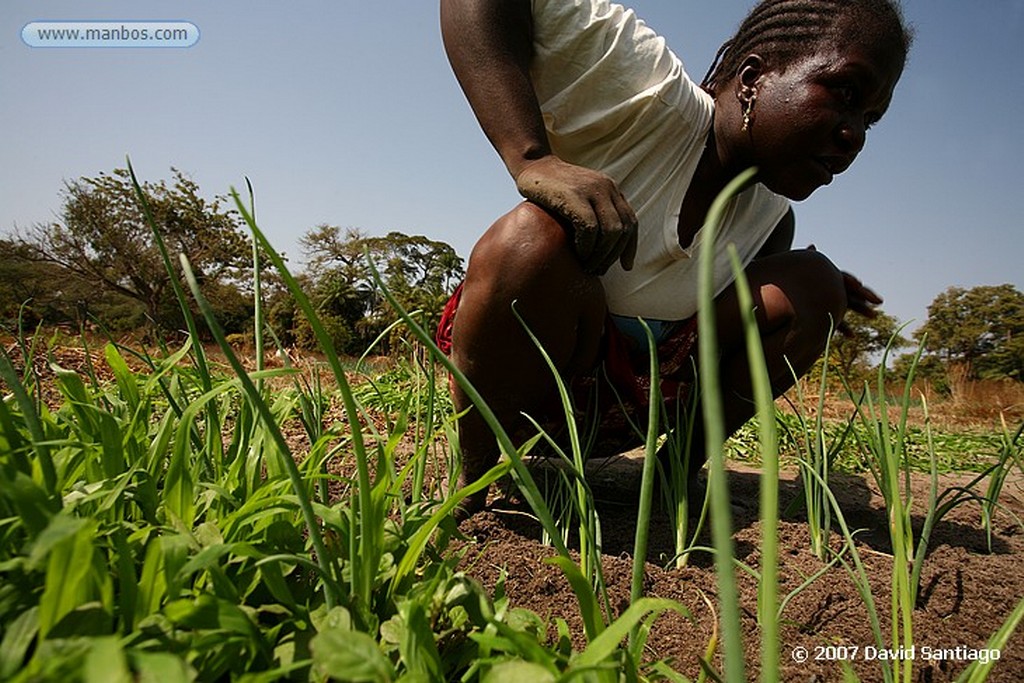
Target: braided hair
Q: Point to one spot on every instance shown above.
(781, 31)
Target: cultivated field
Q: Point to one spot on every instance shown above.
(135, 543)
(189, 512)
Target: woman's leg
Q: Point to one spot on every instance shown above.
(526, 258)
(798, 297)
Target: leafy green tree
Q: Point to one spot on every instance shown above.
(33, 292)
(101, 238)
(418, 271)
(21, 285)
(854, 352)
(981, 328)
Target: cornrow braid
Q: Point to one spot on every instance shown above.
(782, 30)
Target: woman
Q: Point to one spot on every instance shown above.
(620, 155)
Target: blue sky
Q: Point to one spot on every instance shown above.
(346, 113)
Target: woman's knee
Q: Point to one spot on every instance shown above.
(525, 260)
(819, 288)
(521, 247)
(800, 290)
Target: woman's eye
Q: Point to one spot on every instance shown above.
(847, 94)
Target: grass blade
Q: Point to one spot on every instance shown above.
(525, 480)
(978, 671)
(31, 418)
(714, 436)
(643, 515)
(368, 518)
(601, 647)
(763, 399)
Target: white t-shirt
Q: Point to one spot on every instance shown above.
(616, 99)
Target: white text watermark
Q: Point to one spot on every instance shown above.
(870, 653)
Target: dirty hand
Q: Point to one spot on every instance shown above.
(604, 224)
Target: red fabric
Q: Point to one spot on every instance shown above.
(443, 336)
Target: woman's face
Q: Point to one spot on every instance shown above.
(810, 120)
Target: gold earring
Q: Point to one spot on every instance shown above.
(748, 109)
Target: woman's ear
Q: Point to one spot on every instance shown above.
(748, 76)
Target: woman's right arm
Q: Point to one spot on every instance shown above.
(489, 45)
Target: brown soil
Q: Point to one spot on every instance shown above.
(966, 591)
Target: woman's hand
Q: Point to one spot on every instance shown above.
(604, 225)
(860, 298)
(490, 45)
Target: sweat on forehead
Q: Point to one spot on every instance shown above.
(781, 31)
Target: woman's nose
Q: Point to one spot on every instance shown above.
(852, 133)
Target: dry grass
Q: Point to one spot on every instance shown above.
(970, 406)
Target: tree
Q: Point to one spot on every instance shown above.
(418, 271)
(981, 328)
(21, 285)
(101, 238)
(865, 339)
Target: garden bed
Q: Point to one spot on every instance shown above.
(966, 591)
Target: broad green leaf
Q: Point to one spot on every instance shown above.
(153, 582)
(71, 386)
(111, 436)
(392, 631)
(31, 420)
(175, 550)
(274, 580)
(351, 656)
(67, 571)
(416, 677)
(604, 645)
(161, 667)
(88, 619)
(18, 636)
(106, 663)
(593, 622)
(518, 672)
(417, 646)
(334, 619)
(16, 445)
(123, 376)
(521, 644)
(128, 590)
(205, 559)
(34, 506)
